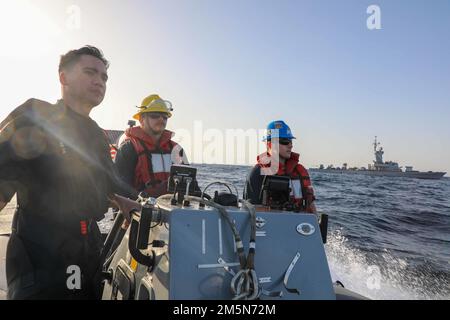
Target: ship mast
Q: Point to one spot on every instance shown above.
(378, 153)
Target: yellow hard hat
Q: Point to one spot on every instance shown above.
(154, 103)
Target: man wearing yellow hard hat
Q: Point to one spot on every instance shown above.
(146, 154)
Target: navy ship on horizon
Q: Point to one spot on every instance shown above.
(381, 168)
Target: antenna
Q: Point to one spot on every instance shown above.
(375, 144)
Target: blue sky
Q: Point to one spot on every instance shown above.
(241, 64)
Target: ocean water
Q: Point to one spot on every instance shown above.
(389, 238)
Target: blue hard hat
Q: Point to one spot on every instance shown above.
(278, 129)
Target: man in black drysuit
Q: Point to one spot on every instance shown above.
(57, 160)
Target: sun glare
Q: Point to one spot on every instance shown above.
(27, 29)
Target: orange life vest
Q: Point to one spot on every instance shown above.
(154, 160)
(302, 192)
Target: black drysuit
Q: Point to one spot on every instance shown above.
(58, 162)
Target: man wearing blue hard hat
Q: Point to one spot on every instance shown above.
(281, 161)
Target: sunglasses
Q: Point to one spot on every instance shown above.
(156, 116)
(284, 141)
